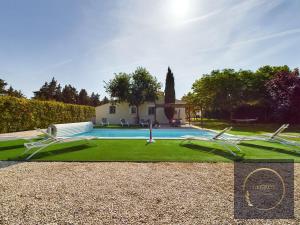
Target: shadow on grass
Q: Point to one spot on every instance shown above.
(223, 153)
(54, 152)
(268, 148)
(4, 164)
(4, 148)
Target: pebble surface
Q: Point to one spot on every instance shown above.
(122, 193)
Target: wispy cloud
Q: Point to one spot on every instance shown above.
(95, 39)
(254, 40)
(54, 66)
(201, 18)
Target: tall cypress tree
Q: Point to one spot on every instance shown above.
(2, 86)
(169, 95)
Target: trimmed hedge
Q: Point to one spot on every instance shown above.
(18, 114)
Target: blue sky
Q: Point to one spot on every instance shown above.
(84, 42)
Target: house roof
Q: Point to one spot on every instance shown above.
(177, 101)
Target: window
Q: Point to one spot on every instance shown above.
(151, 110)
(112, 109)
(133, 110)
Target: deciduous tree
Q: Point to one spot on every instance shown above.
(136, 88)
(284, 89)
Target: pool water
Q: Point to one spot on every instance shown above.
(144, 133)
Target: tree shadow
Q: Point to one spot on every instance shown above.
(11, 147)
(223, 153)
(54, 152)
(273, 149)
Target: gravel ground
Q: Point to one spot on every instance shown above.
(121, 193)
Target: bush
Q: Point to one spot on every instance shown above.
(18, 114)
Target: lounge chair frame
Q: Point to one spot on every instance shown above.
(124, 122)
(48, 141)
(219, 139)
(273, 138)
(104, 122)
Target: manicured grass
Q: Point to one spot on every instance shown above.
(140, 151)
(247, 128)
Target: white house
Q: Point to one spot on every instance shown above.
(149, 110)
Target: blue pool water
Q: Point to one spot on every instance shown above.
(144, 133)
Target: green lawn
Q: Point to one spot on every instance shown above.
(139, 151)
(247, 129)
(161, 150)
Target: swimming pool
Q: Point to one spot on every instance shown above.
(144, 133)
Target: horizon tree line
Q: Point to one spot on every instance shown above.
(52, 91)
(9, 91)
(270, 94)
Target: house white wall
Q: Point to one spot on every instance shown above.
(123, 110)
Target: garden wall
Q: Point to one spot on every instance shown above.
(18, 114)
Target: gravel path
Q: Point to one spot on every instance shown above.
(121, 193)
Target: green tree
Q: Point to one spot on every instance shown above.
(218, 91)
(10, 91)
(95, 99)
(83, 98)
(135, 89)
(2, 86)
(49, 91)
(119, 87)
(169, 95)
(105, 100)
(226, 91)
(58, 93)
(14, 93)
(144, 87)
(192, 106)
(69, 94)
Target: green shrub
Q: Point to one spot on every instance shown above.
(18, 114)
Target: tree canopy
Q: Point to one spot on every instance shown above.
(10, 91)
(229, 93)
(2, 86)
(135, 88)
(49, 91)
(52, 91)
(284, 89)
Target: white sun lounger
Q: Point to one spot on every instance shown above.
(124, 122)
(54, 139)
(274, 138)
(267, 137)
(144, 122)
(104, 122)
(218, 138)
